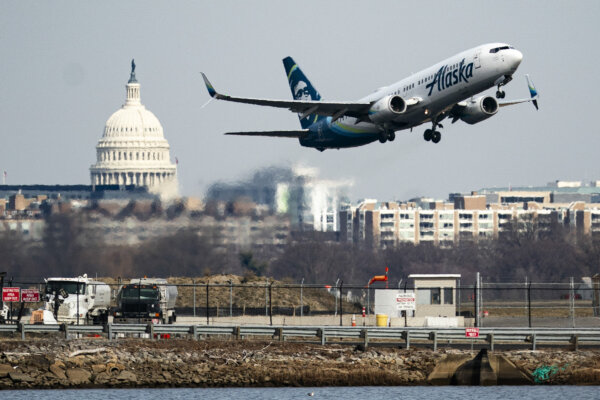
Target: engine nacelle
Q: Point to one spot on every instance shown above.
(479, 109)
(387, 108)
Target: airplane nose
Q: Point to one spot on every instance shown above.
(517, 57)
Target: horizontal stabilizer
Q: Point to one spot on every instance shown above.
(533, 99)
(282, 134)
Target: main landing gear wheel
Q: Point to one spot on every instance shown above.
(431, 135)
(428, 135)
(391, 136)
(500, 94)
(383, 137)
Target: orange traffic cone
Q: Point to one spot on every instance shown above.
(353, 320)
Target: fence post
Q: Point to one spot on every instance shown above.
(407, 338)
(526, 292)
(476, 300)
(481, 291)
(150, 330)
(195, 331)
(365, 334)
(267, 297)
(109, 331)
(572, 302)
(433, 337)
(301, 298)
(22, 329)
(230, 299)
(491, 340)
(458, 297)
(321, 334)
(341, 302)
(575, 341)
(529, 302)
(368, 300)
(66, 328)
(194, 300)
(271, 303)
(207, 309)
(533, 341)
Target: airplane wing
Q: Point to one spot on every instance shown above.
(532, 91)
(325, 108)
(283, 134)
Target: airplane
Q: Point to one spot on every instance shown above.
(444, 90)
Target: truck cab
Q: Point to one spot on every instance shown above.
(138, 303)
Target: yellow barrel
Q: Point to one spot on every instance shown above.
(381, 319)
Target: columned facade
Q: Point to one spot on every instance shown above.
(133, 149)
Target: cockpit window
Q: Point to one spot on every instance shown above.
(497, 49)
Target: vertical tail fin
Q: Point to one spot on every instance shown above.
(301, 89)
(532, 91)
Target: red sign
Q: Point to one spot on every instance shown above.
(30, 295)
(472, 332)
(11, 294)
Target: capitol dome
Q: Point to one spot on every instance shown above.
(133, 149)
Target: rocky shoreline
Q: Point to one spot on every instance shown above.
(126, 363)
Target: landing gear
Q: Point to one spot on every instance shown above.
(385, 136)
(501, 82)
(428, 135)
(432, 134)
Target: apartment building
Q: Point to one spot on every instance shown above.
(388, 224)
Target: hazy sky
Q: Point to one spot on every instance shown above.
(64, 66)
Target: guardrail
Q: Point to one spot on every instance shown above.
(356, 335)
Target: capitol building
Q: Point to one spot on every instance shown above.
(133, 149)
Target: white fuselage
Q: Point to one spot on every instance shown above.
(437, 88)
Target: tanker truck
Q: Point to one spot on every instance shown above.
(76, 300)
(146, 300)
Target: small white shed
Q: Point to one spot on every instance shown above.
(436, 294)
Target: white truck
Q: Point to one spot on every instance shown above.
(146, 300)
(81, 299)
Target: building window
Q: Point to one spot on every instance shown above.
(435, 296)
(448, 295)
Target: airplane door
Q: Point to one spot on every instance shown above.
(477, 59)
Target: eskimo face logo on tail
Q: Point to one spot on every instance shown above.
(446, 77)
(301, 91)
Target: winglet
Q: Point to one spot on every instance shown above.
(532, 91)
(209, 86)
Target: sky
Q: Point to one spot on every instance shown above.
(64, 66)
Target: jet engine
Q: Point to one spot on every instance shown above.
(387, 108)
(479, 109)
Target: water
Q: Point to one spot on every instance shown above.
(334, 393)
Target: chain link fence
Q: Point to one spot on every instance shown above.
(485, 304)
